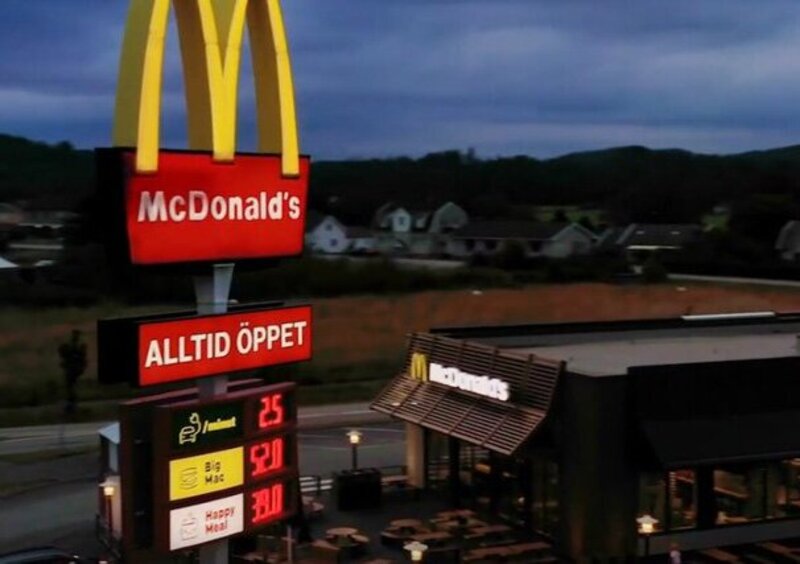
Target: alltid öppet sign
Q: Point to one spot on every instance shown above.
(194, 348)
(195, 209)
(159, 350)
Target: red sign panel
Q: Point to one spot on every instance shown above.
(183, 349)
(197, 210)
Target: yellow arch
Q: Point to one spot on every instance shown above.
(211, 33)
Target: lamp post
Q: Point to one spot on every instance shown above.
(355, 439)
(417, 550)
(647, 525)
(108, 495)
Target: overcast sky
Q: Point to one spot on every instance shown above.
(390, 77)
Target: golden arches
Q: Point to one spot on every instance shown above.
(211, 33)
(419, 367)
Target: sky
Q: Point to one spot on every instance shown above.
(379, 78)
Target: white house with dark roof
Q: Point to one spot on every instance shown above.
(553, 240)
(325, 234)
(422, 232)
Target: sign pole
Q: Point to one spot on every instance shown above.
(212, 292)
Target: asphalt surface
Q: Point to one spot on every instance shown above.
(58, 506)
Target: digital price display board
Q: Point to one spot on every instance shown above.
(224, 466)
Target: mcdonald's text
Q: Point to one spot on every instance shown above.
(194, 209)
(199, 206)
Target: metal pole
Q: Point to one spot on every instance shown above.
(354, 450)
(289, 547)
(647, 546)
(212, 292)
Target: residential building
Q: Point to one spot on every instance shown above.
(788, 241)
(325, 234)
(421, 232)
(361, 240)
(553, 240)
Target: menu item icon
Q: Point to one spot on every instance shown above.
(188, 433)
(189, 528)
(189, 478)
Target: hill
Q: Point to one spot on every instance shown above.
(631, 183)
(42, 175)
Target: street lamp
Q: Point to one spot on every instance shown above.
(108, 495)
(355, 439)
(647, 525)
(417, 549)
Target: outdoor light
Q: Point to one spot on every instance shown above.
(647, 525)
(355, 440)
(417, 549)
(108, 488)
(108, 493)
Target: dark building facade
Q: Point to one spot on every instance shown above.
(577, 430)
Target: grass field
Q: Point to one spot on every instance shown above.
(359, 341)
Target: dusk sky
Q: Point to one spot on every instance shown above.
(387, 77)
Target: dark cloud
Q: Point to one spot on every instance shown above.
(503, 76)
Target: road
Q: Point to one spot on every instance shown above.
(60, 509)
(734, 280)
(39, 438)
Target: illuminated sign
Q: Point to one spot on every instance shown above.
(206, 473)
(159, 350)
(268, 457)
(204, 522)
(211, 424)
(421, 370)
(419, 367)
(255, 459)
(210, 204)
(268, 504)
(208, 211)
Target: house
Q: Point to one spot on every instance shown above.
(423, 232)
(325, 234)
(651, 236)
(553, 240)
(361, 240)
(638, 241)
(788, 241)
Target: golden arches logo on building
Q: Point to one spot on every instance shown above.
(418, 370)
(211, 35)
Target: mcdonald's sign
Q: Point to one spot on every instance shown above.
(208, 203)
(418, 370)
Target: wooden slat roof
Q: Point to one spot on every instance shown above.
(499, 426)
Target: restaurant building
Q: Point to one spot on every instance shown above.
(576, 430)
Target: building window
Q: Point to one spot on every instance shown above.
(334, 242)
(671, 498)
(328, 227)
(740, 494)
(682, 494)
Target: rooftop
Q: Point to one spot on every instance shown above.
(611, 348)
